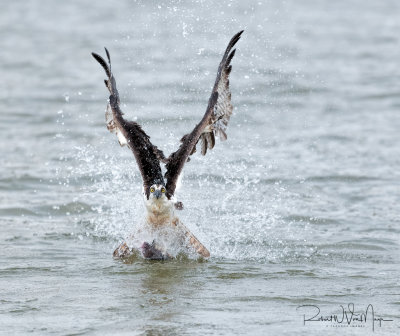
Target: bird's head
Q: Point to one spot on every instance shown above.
(158, 192)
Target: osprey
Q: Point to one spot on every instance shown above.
(159, 190)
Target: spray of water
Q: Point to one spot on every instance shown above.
(231, 204)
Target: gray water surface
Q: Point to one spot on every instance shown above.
(299, 207)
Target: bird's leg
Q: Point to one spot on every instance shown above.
(178, 205)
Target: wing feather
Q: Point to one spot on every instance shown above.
(130, 133)
(218, 123)
(214, 122)
(176, 160)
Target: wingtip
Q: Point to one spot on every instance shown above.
(238, 35)
(233, 41)
(108, 55)
(103, 63)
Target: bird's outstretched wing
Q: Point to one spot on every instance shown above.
(130, 133)
(214, 122)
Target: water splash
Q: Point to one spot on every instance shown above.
(235, 212)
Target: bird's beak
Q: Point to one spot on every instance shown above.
(157, 194)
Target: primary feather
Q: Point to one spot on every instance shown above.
(213, 124)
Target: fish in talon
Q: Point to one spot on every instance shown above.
(149, 251)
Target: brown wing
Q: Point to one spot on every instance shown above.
(191, 240)
(218, 123)
(130, 133)
(177, 160)
(213, 124)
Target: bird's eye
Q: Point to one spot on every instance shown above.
(152, 189)
(163, 190)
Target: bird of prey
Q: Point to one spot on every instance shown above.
(159, 189)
